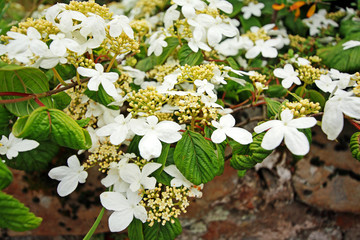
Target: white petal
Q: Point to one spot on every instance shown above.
(130, 173)
(148, 183)
(296, 141)
(273, 138)
(252, 52)
(140, 213)
(109, 87)
(280, 73)
(113, 201)
(139, 126)
(87, 72)
(227, 121)
(150, 146)
(26, 145)
(94, 83)
(266, 125)
(67, 185)
(218, 136)
(351, 106)
(120, 220)
(302, 123)
(333, 120)
(149, 168)
(73, 162)
(240, 135)
(167, 131)
(286, 115)
(59, 173)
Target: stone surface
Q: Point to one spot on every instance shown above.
(329, 177)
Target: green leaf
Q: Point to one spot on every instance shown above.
(5, 117)
(66, 71)
(248, 23)
(135, 230)
(349, 27)
(35, 160)
(61, 100)
(355, 145)
(273, 107)
(276, 91)
(295, 26)
(44, 123)
(134, 145)
(195, 158)
(147, 63)
(187, 56)
(15, 216)
(162, 232)
(14, 78)
(5, 176)
(232, 63)
(159, 174)
(83, 122)
(342, 60)
(168, 50)
(312, 95)
(102, 97)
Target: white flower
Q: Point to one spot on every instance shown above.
(225, 127)
(179, 180)
(288, 74)
(136, 74)
(104, 115)
(333, 119)
(267, 49)
(22, 46)
(350, 44)
(131, 174)
(188, 7)
(157, 45)
(318, 21)
(198, 40)
(12, 146)
(125, 209)
(344, 78)
(94, 26)
(118, 130)
(154, 132)
(113, 175)
(326, 84)
(252, 9)
(120, 24)
(50, 60)
(223, 5)
(60, 44)
(286, 129)
(170, 16)
(98, 76)
(66, 24)
(69, 176)
(204, 86)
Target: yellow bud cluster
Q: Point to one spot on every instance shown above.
(247, 2)
(180, 28)
(160, 71)
(258, 77)
(165, 203)
(192, 73)
(103, 156)
(79, 60)
(336, 16)
(119, 45)
(146, 102)
(214, 12)
(164, 116)
(308, 74)
(192, 110)
(302, 108)
(314, 59)
(356, 77)
(123, 83)
(149, 7)
(44, 27)
(78, 106)
(260, 34)
(141, 27)
(87, 7)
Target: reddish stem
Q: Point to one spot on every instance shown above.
(354, 124)
(14, 94)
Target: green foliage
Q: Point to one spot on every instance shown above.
(61, 100)
(342, 60)
(5, 118)
(15, 216)
(312, 95)
(26, 80)
(296, 26)
(35, 160)
(135, 230)
(134, 145)
(187, 56)
(248, 23)
(276, 91)
(102, 97)
(45, 123)
(273, 107)
(162, 232)
(355, 145)
(254, 154)
(5, 176)
(147, 63)
(159, 174)
(195, 158)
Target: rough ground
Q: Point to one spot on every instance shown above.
(315, 198)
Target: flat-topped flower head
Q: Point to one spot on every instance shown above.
(225, 127)
(98, 76)
(154, 132)
(118, 130)
(69, 176)
(252, 9)
(286, 129)
(12, 146)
